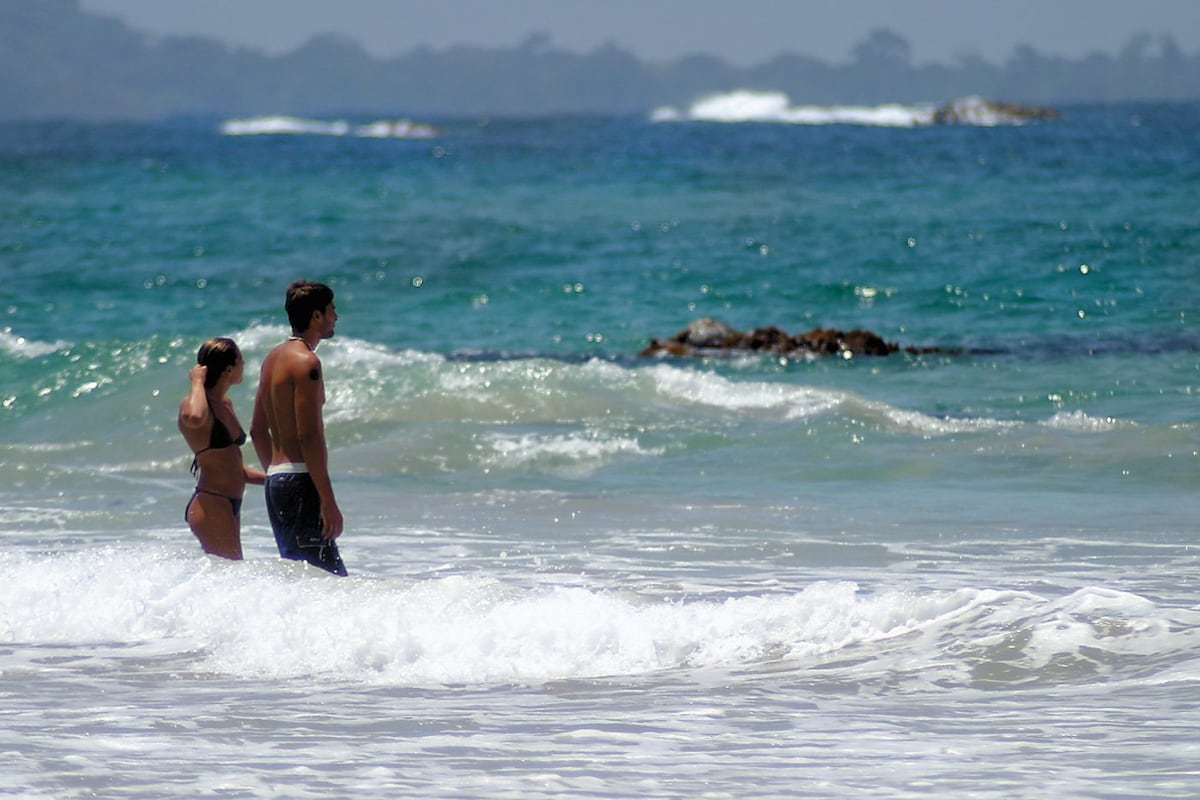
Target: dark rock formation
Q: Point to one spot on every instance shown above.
(707, 336)
(978, 111)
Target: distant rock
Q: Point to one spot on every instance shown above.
(978, 111)
(707, 336)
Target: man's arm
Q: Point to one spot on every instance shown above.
(260, 429)
(310, 431)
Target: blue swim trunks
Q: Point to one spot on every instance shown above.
(294, 508)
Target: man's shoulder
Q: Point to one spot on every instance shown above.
(296, 363)
(290, 355)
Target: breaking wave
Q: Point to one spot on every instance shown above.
(285, 125)
(773, 106)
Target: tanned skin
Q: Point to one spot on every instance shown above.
(222, 473)
(288, 424)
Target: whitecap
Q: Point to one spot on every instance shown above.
(744, 105)
(772, 106)
(280, 124)
(395, 129)
(21, 347)
(790, 402)
(577, 453)
(1084, 423)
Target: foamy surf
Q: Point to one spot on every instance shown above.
(20, 347)
(278, 620)
(576, 454)
(274, 125)
(776, 107)
(757, 106)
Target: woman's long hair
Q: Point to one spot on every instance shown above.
(217, 354)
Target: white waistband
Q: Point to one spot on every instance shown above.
(288, 468)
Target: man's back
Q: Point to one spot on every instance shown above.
(291, 394)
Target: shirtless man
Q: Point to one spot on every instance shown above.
(288, 430)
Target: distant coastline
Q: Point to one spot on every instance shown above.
(63, 63)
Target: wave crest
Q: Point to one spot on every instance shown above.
(746, 105)
(249, 619)
(298, 126)
(21, 347)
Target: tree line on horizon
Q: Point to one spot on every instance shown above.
(61, 62)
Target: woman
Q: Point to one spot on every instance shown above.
(211, 429)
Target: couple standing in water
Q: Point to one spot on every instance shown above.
(288, 431)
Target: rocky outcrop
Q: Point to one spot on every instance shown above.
(978, 111)
(707, 336)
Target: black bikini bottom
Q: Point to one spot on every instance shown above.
(235, 502)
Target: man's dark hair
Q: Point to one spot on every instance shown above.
(302, 300)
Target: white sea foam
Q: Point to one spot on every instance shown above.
(1080, 632)
(271, 125)
(1084, 422)
(21, 347)
(759, 106)
(29, 518)
(928, 425)
(281, 124)
(790, 402)
(273, 619)
(802, 402)
(976, 110)
(746, 105)
(395, 129)
(576, 454)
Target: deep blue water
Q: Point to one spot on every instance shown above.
(581, 228)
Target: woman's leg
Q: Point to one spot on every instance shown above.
(212, 520)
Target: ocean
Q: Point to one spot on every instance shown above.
(581, 571)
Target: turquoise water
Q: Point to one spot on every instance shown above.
(580, 571)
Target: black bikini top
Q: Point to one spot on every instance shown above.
(219, 439)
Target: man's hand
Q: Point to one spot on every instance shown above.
(331, 520)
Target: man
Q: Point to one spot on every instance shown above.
(288, 430)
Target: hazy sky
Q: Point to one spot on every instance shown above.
(743, 32)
